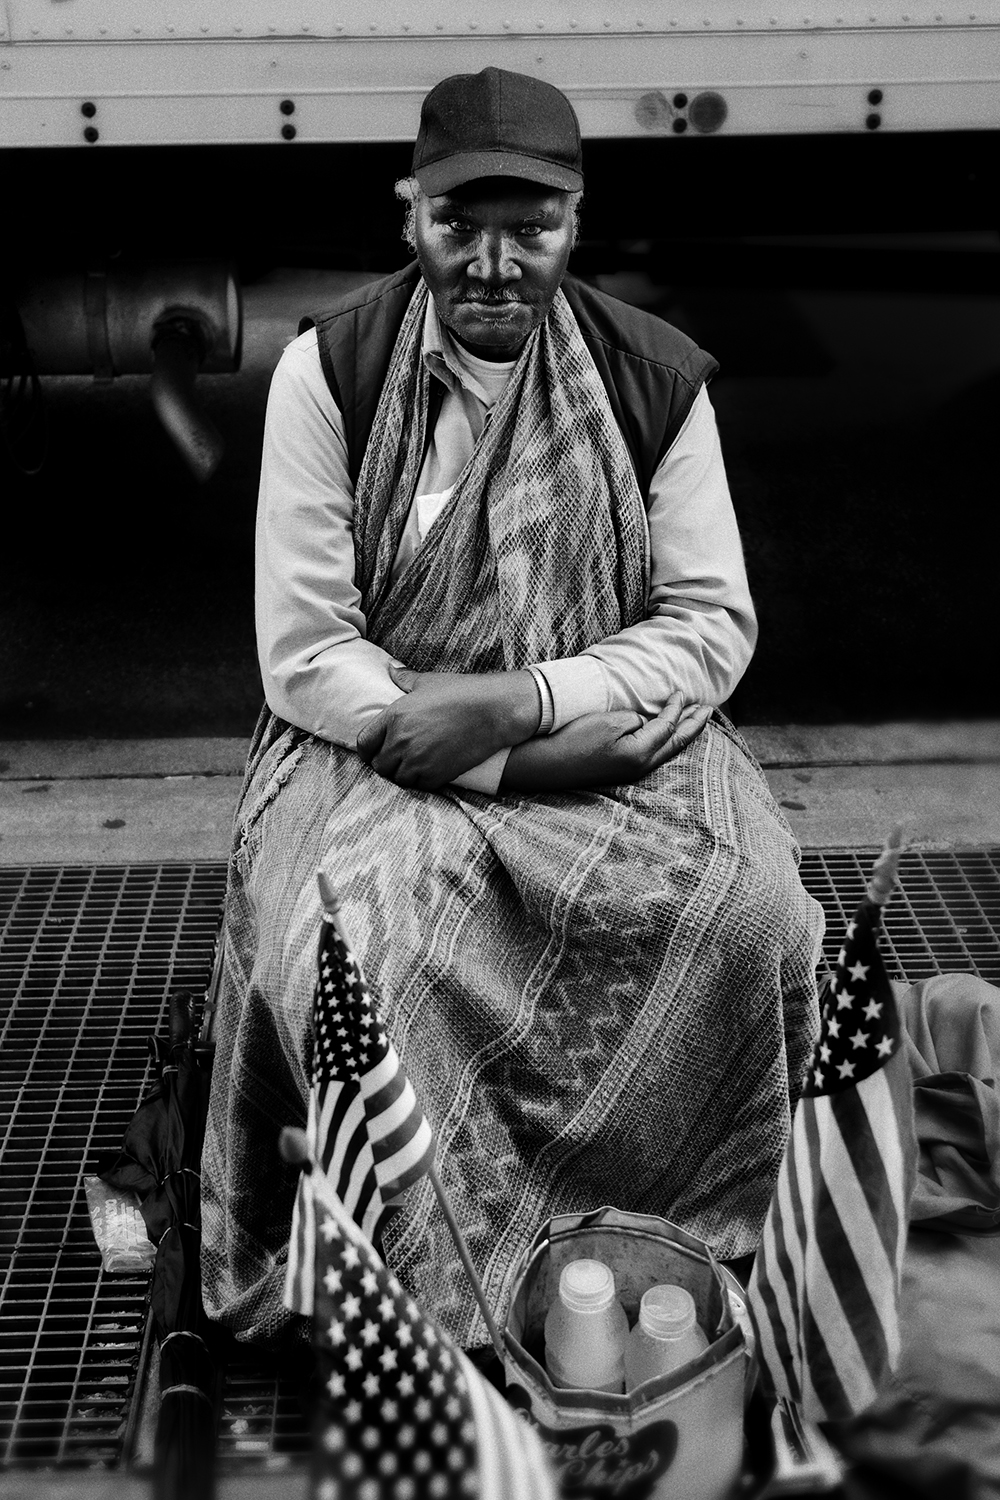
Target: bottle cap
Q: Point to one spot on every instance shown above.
(666, 1312)
(586, 1285)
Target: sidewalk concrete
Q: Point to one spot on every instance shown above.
(136, 801)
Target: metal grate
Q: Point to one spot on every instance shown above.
(264, 1421)
(945, 918)
(87, 959)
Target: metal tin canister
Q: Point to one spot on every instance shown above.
(679, 1437)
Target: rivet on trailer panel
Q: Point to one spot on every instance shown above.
(88, 110)
(288, 132)
(91, 134)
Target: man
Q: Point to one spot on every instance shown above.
(500, 590)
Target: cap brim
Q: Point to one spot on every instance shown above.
(443, 176)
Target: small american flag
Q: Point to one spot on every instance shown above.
(824, 1294)
(403, 1415)
(365, 1127)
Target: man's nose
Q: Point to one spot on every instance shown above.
(495, 260)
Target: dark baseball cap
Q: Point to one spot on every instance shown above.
(497, 124)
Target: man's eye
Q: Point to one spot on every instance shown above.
(530, 231)
(459, 226)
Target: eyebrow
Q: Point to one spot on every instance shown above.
(455, 206)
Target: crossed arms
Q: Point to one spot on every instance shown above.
(446, 723)
(617, 709)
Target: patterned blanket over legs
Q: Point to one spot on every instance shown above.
(600, 997)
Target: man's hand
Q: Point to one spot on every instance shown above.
(447, 723)
(604, 749)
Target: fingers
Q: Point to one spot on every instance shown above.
(673, 729)
(371, 738)
(395, 757)
(690, 724)
(654, 734)
(369, 741)
(403, 677)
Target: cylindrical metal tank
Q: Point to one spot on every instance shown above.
(104, 321)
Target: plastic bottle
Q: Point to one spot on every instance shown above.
(666, 1336)
(586, 1330)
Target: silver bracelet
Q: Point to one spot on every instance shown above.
(545, 700)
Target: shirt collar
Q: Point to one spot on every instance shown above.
(441, 358)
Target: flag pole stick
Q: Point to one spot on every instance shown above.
(331, 906)
(466, 1259)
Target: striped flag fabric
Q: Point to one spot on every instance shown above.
(365, 1128)
(824, 1293)
(402, 1414)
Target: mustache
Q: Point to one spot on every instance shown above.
(492, 296)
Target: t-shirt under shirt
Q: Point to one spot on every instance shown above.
(451, 443)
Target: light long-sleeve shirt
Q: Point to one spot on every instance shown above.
(321, 672)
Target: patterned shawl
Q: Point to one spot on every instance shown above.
(543, 548)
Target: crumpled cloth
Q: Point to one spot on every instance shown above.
(934, 1430)
(953, 1048)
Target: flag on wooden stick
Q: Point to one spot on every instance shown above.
(365, 1127)
(402, 1414)
(824, 1293)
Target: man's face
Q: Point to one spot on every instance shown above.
(493, 253)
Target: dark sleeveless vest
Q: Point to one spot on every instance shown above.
(651, 371)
